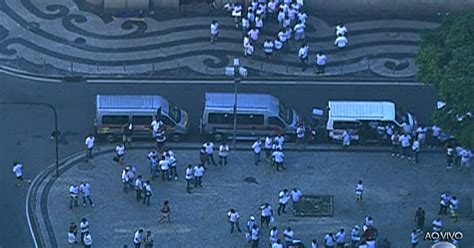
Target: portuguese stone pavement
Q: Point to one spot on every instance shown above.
(55, 36)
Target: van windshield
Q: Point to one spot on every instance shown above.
(174, 113)
(286, 114)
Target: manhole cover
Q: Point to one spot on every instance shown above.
(85, 166)
(250, 180)
(80, 41)
(314, 206)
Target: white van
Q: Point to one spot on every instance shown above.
(258, 115)
(357, 115)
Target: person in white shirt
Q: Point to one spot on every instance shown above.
(341, 30)
(415, 237)
(171, 157)
(454, 208)
(268, 49)
(198, 174)
(278, 44)
(314, 243)
(161, 138)
(257, 149)
(437, 224)
(359, 191)
(283, 199)
(273, 235)
(253, 34)
(341, 41)
(250, 223)
(74, 195)
(466, 155)
(288, 32)
(258, 22)
(189, 177)
(85, 189)
(165, 168)
(266, 214)
(302, 17)
(245, 25)
(281, 16)
(237, 14)
(234, 218)
(209, 147)
(87, 240)
(139, 187)
(300, 135)
(436, 132)
(120, 152)
(329, 240)
(18, 171)
(346, 139)
(321, 61)
(72, 233)
(223, 153)
(148, 192)
(125, 179)
(156, 124)
(299, 31)
(340, 238)
(280, 140)
(255, 236)
(296, 195)
(282, 35)
(90, 143)
(277, 244)
(278, 158)
(138, 238)
(153, 158)
(84, 226)
(415, 148)
(271, 7)
(300, 3)
(246, 43)
(303, 54)
(249, 50)
(289, 235)
(405, 144)
(268, 147)
(421, 133)
(355, 236)
(214, 31)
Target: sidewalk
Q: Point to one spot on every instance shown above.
(199, 219)
(71, 42)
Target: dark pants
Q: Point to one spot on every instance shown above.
(222, 160)
(173, 172)
(340, 245)
(74, 199)
(210, 158)
(281, 208)
(89, 153)
(256, 157)
(146, 199)
(165, 175)
(198, 182)
(188, 185)
(160, 146)
(137, 245)
(87, 246)
(255, 243)
(304, 61)
(320, 68)
(154, 171)
(416, 156)
(405, 152)
(82, 238)
(236, 224)
(420, 224)
(395, 150)
(279, 165)
(85, 199)
(354, 244)
(139, 194)
(443, 209)
(268, 153)
(449, 161)
(126, 185)
(265, 220)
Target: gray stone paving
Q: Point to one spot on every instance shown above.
(52, 34)
(200, 218)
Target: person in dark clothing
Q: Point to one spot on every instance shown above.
(420, 218)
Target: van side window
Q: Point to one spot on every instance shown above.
(275, 121)
(346, 125)
(249, 119)
(114, 119)
(142, 120)
(220, 118)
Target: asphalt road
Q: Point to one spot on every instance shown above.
(26, 130)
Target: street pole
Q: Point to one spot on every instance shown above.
(234, 138)
(55, 134)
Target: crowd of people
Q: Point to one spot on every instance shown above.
(291, 20)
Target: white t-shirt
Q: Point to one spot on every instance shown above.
(138, 237)
(233, 217)
(289, 235)
(88, 239)
(209, 147)
(296, 195)
(18, 170)
(405, 140)
(321, 59)
(214, 28)
(329, 240)
(341, 42)
(164, 164)
(253, 34)
(436, 130)
(189, 173)
(85, 189)
(299, 28)
(268, 143)
(267, 211)
(90, 142)
(120, 150)
(198, 171)
(223, 150)
(340, 237)
(257, 146)
(284, 197)
(71, 238)
(341, 30)
(268, 46)
(279, 156)
(249, 49)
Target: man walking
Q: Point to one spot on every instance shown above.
(148, 193)
(127, 132)
(74, 194)
(340, 238)
(223, 153)
(85, 189)
(165, 212)
(189, 177)
(405, 143)
(165, 168)
(445, 198)
(284, 197)
(90, 143)
(395, 145)
(355, 236)
(359, 190)
(255, 236)
(234, 218)
(198, 174)
(84, 226)
(268, 147)
(300, 134)
(209, 148)
(329, 241)
(266, 215)
(87, 240)
(415, 148)
(148, 240)
(268, 49)
(139, 187)
(278, 158)
(171, 157)
(18, 171)
(214, 31)
(303, 54)
(289, 235)
(119, 153)
(153, 158)
(321, 61)
(420, 218)
(126, 179)
(415, 237)
(257, 149)
(161, 139)
(138, 238)
(296, 195)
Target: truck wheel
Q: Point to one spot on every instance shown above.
(176, 137)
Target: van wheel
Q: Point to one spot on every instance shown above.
(218, 137)
(111, 138)
(176, 137)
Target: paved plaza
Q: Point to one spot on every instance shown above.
(56, 37)
(394, 190)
